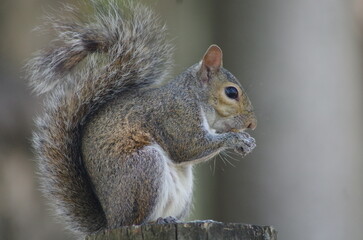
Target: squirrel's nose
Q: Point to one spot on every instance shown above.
(252, 124)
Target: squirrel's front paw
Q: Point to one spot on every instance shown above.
(245, 144)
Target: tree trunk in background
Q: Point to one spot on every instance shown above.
(298, 60)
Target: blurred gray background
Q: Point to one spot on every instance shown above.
(300, 62)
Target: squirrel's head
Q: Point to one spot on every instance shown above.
(229, 107)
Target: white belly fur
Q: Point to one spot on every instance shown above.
(176, 188)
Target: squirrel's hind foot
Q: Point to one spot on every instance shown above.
(166, 220)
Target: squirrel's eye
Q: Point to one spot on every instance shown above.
(231, 92)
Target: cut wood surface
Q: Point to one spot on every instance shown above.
(207, 230)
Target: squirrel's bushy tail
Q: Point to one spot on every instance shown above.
(116, 48)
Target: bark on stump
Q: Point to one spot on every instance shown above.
(207, 230)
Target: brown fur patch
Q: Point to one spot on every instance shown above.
(125, 138)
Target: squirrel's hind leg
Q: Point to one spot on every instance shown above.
(132, 187)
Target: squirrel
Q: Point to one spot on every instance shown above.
(117, 140)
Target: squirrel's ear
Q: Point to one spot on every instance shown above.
(212, 61)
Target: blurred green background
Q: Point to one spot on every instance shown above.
(300, 62)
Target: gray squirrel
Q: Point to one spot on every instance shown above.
(117, 141)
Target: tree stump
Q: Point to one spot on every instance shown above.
(207, 230)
